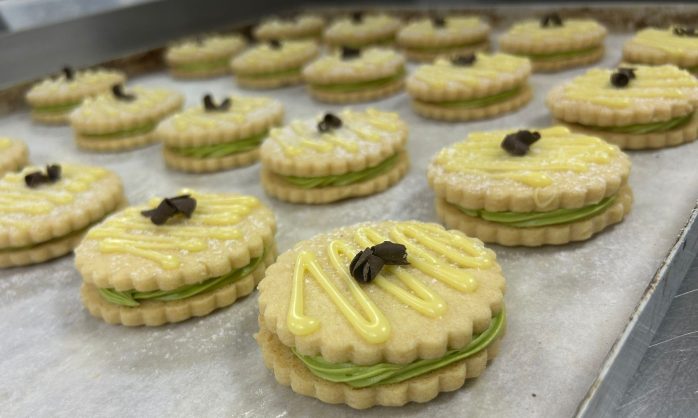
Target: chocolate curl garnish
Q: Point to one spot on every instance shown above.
(329, 122)
(350, 53)
(685, 31)
(366, 264)
(53, 174)
(357, 17)
(551, 19)
(274, 44)
(464, 60)
(211, 106)
(118, 92)
(622, 76)
(169, 207)
(438, 21)
(519, 142)
(69, 73)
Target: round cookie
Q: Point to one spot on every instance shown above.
(425, 39)
(531, 188)
(216, 137)
(47, 211)
(347, 318)
(13, 155)
(203, 57)
(273, 64)
(118, 120)
(175, 258)
(52, 99)
(470, 87)
(324, 159)
(675, 45)
(298, 27)
(353, 75)
(361, 30)
(650, 107)
(553, 44)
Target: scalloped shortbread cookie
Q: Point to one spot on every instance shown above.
(52, 99)
(13, 155)
(423, 327)
(362, 30)
(575, 43)
(273, 64)
(485, 87)
(297, 27)
(564, 180)
(654, 46)
(203, 57)
(48, 220)
(116, 122)
(373, 74)
(656, 107)
(153, 274)
(424, 39)
(361, 152)
(214, 137)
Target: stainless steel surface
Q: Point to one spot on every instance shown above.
(666, 383)
(567, 304)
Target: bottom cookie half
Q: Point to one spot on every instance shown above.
(210, 164)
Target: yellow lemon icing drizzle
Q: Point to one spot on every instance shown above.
(570, 30)
(369, 59)
(665, 40)
(430, 249)
(211, 45)
(90, 78)
(5, 143)
(661, 82)
(454, 25)
(375, 22)
(17, 198)
(485, 67)
(302, 136)
(557, 150)
(242, 108)
(108, 105)
(214, 218)
(265, 54)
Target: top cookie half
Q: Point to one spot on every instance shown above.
(449, 32)
(361, 30)
(674, 45)
(298, 27)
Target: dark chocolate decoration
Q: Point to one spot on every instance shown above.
(69, 73)
(211, 106)
(518, 143)
(551, 19)
(685, 31)
(357, 17)
(622, 76)
(329, 122)
(464, 60)
(438, 21)
(119, 93)
(169, 207)
(626, 70)
(53, 174)
(275, 44)
(366, 264)
(350, 53)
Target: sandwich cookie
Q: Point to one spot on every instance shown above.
(175, 258)
(425, 39)
(353, 75)
(46, 211)
(273, 64)
(531, 188)
(381, 313)
(553, 44)
(676, 45)
(321, 160)
(120, 120)
(634, 107)
(215, 137)
(203, 57)
(304, 26)
(470, 87)
(362, 30)
(13, 155)
(52, 99)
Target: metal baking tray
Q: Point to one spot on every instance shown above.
(581, 315)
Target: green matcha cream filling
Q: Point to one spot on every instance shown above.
(275, 74)
(389, 373)
(139, 130)
(132, 298)
(59, 108)
(447, 48)
(343, 179)
(646, 128)
(480, 101)
(203, 66)
(222, 150)
(562, 55)
(360, 86)
(536, 219)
